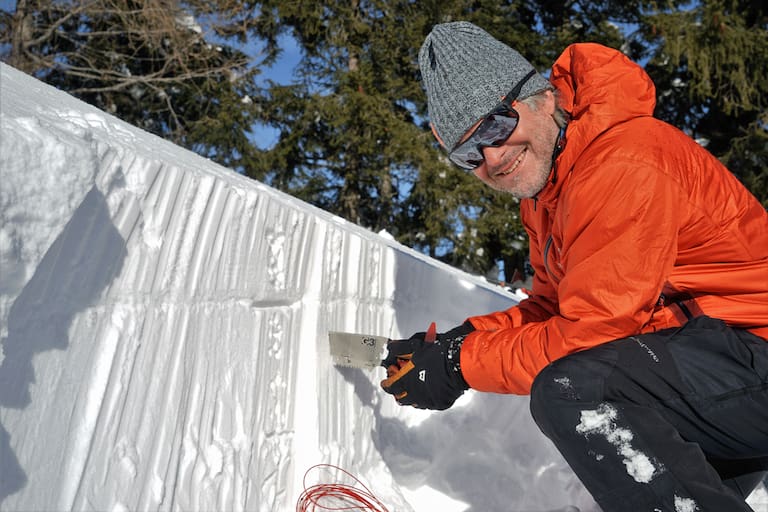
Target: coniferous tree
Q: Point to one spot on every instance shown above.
(349, 135)
(708, 63)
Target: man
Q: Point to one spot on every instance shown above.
(643, 345)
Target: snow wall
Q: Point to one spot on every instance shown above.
(163, 324)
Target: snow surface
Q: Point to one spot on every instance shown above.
(163, 324)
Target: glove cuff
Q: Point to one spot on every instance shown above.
(453, 340)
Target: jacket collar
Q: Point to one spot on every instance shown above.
(548, 195)
(599, 87)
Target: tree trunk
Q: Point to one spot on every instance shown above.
(20, 34)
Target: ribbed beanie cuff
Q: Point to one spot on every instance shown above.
(466, 72)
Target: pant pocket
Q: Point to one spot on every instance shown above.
(714, 361)
(758, 348)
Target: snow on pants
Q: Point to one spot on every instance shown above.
(670, 421)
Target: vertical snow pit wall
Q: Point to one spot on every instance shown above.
(207, 408)
(194, 305)
(173, 383)
(358, 283)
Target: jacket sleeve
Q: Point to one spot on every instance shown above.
(617, 243)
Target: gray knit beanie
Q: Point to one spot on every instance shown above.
(466, 73)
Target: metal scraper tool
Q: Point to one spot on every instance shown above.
(357, 350)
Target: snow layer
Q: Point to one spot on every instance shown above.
(163, 330)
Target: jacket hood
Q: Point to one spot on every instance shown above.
(600, 87)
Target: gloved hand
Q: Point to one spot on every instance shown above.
(424, 371)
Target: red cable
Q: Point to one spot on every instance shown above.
(337, 496)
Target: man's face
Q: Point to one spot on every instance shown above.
(521, 165)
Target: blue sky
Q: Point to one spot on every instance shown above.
(281, 72)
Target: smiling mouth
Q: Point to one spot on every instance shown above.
(514, 165)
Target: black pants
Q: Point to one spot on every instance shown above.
(668, 421)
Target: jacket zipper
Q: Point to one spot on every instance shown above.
(546, 260)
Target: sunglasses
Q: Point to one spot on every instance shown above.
(493, 131)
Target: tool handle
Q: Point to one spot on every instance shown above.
(405, 359)
(431, 335)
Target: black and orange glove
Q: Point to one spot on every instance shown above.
(424, 371)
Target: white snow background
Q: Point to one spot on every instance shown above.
(164, 339)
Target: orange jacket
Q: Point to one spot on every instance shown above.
(640, 223)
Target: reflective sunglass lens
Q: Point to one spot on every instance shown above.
(492, 132)
(496, 130)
